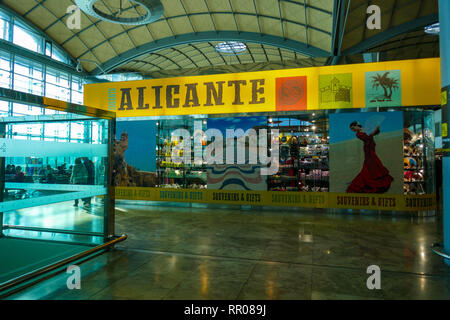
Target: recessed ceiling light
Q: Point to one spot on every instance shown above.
(433, 29)
(231, 47)
(120, 12)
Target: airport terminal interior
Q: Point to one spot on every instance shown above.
(224, 150)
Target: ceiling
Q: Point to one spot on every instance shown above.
(402, 35)
(278, 33)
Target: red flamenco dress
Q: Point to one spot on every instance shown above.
(374, 177)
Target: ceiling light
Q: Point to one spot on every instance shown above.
(231, 47)
(118, 12)
(433, 29)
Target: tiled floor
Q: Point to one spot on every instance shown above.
(191, 253)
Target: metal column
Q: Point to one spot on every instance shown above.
(2, 176)
(444, 20)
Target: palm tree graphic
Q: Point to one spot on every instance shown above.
(388, 85)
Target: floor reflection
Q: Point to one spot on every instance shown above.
(218, 253)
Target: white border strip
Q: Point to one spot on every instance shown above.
(32, 148)
(55, 187)
(40, 201)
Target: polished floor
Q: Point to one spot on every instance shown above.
(193, 253)
(20, 256)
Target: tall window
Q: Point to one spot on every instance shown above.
(5, 70)
(35, 77)
(25, 110)
(28, 76)
(4, 108)
(57, 85)
(4, 27)
(26, 38)
(77, 90)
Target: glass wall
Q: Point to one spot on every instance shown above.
(55, 175)
(27, 76)
(17, 32)
(4, 25)
(54, 185)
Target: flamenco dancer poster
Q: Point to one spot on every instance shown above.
(366, 152)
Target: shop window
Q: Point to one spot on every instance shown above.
(303, 160)
(304, 147)
(169, 173)
(419, 154)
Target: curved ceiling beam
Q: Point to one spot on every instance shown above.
(392, 33)
(183, 16)
(189, 38)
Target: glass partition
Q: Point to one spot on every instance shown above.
(54, 173)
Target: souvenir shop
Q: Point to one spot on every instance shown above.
(361, 133)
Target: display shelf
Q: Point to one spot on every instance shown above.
(305, 155)
(185, 178)
(418, 149)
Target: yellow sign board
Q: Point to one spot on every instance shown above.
(282, 199)
(444, 130)
(411, 83)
